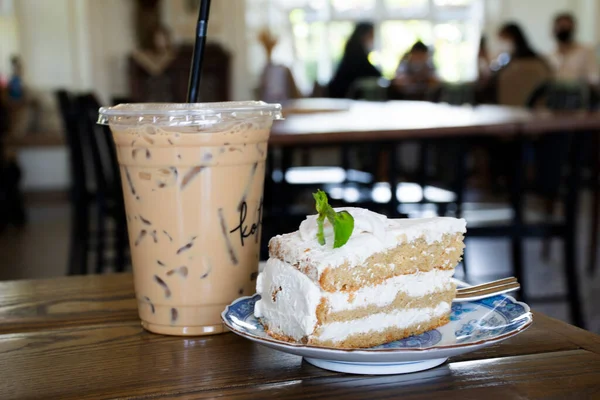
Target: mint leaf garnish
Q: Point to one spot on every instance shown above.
(342, 222)
(343, 226)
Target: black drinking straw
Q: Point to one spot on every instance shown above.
(196, 67)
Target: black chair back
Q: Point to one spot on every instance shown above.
(80, 171)
(95, 186)
(106, 167)
(77, 164)
(455, 94)
(109, 195)
(564, 96)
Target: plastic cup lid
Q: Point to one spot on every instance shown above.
(186, 113)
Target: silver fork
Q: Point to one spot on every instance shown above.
(489, 289)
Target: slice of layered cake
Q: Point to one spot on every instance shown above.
(386, 280)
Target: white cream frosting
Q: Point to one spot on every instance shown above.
(414, 285)
(401, 319)
(293, 313)
(365, 221)
(292, 310)
(373, 233)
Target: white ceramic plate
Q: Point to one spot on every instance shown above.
(473, 325)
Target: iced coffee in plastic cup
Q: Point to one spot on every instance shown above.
(193, 178)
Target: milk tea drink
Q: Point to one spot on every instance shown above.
(193, 178)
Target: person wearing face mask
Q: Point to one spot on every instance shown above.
(512, 41)
(355, 62)
(416, 73)
(571, 60)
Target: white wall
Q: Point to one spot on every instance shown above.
(9, 41)
(44, 168)
(111, 40)
(41, 23)
(53, 46)
(83, 44)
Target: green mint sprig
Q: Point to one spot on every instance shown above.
(342, 222)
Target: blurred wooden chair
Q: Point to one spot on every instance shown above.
(109, 195)
(574, 96)
(552, 150)
(519, 79)
(373, 158)
(557, 158)
(554, 172)
(12, 203)
(95, 194)
(370, 89)
(456, 94)
(79, 193)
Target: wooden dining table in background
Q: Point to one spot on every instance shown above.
(80, 338)
(364, 121)
(332, 122)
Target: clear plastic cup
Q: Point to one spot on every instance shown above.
(193, 177)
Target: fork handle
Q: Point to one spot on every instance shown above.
(487, 293)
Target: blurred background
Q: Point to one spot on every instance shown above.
(476, 66)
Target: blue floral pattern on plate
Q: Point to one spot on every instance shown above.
(426, 339)
(470, 323)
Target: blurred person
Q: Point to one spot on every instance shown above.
(355, 62)
(416, 73)
(483, 61)
(514, 43)
(12, 205)
(571, 60)
(15, 88)
(486, 66)
(522, 70)
(23, 108)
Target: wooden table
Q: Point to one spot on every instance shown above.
(364, 121)
(396, 120)
(36, 139)
(79, 338)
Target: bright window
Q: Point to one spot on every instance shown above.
(317, 31)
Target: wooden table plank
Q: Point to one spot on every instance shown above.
(394, 120)
(70, 301)
(542, 122)
(570, 374)
(122, 359)
(36, 139)
(374, 121)
(577, 336)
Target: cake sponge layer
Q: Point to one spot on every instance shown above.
(406, 258)
(375, 241)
